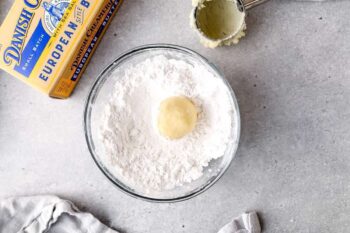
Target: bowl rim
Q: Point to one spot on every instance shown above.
(91, 97)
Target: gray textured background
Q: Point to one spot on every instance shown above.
(292, 78)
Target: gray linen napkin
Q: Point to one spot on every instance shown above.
(245, 223)
(50, 214)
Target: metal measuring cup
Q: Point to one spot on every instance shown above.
(240, 8)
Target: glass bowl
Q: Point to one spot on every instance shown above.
(99, 95)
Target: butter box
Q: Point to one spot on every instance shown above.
(48, 43)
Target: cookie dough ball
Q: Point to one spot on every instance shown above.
(177, 117)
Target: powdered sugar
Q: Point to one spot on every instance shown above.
(137, 153)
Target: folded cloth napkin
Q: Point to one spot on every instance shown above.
(50, 214)
(245, 223)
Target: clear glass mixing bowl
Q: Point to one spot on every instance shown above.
(99, 95)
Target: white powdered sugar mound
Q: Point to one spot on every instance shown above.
(136, 151)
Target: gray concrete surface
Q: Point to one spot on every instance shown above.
(292, 78)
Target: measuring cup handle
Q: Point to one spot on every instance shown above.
(248, 4)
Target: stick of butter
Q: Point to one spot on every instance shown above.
(48, 43)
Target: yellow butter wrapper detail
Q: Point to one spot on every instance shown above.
(48, 43)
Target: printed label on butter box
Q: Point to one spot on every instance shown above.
(48, 43)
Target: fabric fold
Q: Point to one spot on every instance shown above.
(49, 214)
(245, 223)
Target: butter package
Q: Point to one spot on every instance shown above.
(48, 43)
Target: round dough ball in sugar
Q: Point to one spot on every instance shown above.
(177, 117)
